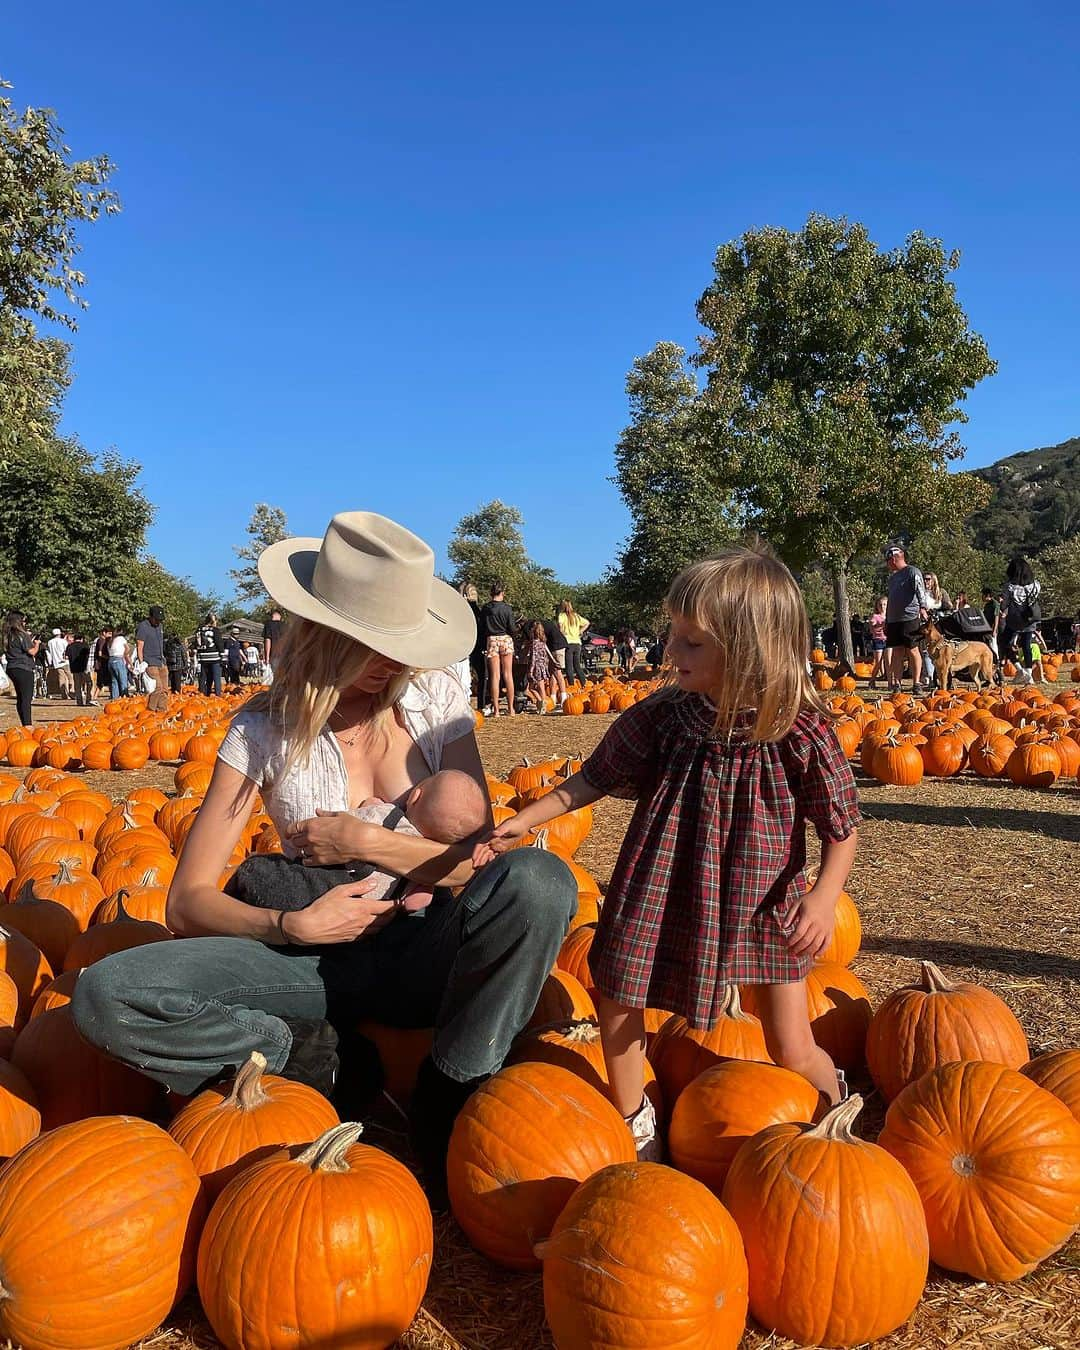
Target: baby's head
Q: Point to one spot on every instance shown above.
(448, 807)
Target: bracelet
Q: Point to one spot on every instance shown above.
(281, 927)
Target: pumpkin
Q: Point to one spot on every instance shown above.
(1058, 1073)
(97, 754)
(826, 1218)
(231, 1125)
(924, 1025)
(520, 1146)
(599, 702)
(72, 1079)
(130, 752)
(642, 1258)
(117, 935)
(121, 1206)
(37, 825)
(573, 955)
(680, 1052)
(996, 1160)
(574, 704)
(576, 1046)
(897, 762)
(201, 749)
(1034, 765)
(145, 901)
(846, 940)
(77, 853)
(7, 870)
(49, 925)
(25, 963)
(9, 1013)
(527, 775)
(56, 994)
(143, 867)
(562, 999)
(725, 1106)
(943, 755)
(989, 755)
(20, 1120)
(85, 814)
(328, 1245)
(78, 891)
(164, 745)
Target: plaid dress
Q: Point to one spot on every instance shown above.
(714, 858)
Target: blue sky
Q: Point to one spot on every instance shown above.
(400, 257)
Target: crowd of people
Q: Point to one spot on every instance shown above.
(74, 665)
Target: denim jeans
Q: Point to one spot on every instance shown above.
(183, 1012)
(118, 682)
(210, 674)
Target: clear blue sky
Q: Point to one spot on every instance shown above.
(400, 257)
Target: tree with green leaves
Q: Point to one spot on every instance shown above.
(267, 526)
(488, 545)
(45, 196)
(1058, 568)
(677, 513)
(834, 372)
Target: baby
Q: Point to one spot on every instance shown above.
(449, 807)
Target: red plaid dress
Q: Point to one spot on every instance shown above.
(714, 858)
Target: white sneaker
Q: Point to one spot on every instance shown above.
(650, 1147)
(845, 1091)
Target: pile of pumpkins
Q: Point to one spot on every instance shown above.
(826, 676)
(609, 694)
(1019, 734)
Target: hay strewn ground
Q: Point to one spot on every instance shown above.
(978, 876)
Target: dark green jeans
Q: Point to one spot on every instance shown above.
(183, 1012)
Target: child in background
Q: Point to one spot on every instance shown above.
(541, 663)
(877, 639)
(727, 766)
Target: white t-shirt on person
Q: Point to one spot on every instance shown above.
(118, 646)
(433, 709)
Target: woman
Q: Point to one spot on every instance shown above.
(118, 664)
(876, 624)
(20, 650)
(499, 633)
(351, 714)
(573, 627)
(477, 658)
(1023, 613)
(938, 598)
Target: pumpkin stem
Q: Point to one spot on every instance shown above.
(64, 873)
(732, 1005)
(121, 912)
(836, 1123)
(26, 893)
(541, 840)
(327, 1153)
(934, 982)
(584, 1032)
(247, 1089)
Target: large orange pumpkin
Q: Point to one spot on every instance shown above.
(725, 1106)
(57, 994)
(1059, 1073)
(115, 935)
(924, 1025)
(49, 925)
(576, 1046)
(680, 1052)
(562, 999)
(20, 1119)
(643, 1257)
(520, 1146)
(24, 961)
(826, 1217)
(996, 1160)
(847, 933)
(120, 1204)
(354, 1268)
(574, 954)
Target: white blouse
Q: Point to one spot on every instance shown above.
(433, 709)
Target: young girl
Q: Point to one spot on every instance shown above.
(727, 764)
(541, 662)
(877, 639)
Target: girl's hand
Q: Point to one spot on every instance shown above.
(343, 914)
(329, 838)
(502, 838)
(814, 920)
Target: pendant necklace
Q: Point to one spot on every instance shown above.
(348, 741)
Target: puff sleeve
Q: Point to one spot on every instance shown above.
(245, 747)
(624, 763)
(825, 788)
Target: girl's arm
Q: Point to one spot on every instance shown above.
(816, 914)
(577, 791)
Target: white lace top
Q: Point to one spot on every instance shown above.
(433, 709)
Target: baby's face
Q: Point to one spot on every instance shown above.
(449, 807)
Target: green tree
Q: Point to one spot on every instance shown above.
(45, 196)
(833, 374)
(488, 546)
(266, 526)
(958, 564)
(677, 513)
(1058, 568)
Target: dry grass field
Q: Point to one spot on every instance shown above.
(977, 875)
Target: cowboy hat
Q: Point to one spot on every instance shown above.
(374, 580)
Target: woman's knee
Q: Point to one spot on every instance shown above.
(97, 1004)
(539, 882)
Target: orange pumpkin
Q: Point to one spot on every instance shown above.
(24, 961)
(1059, 1073)
(846, 940)
(20, 1120)
(680, 1052)
(576, 1046)
(574, 955)
(49, 925)
(57, 994)
(562, 999)
(105, 939)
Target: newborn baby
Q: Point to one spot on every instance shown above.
(448, 807)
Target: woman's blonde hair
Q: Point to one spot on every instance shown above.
(315, 665)
(568, 609)
(750, 605)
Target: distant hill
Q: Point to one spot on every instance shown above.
(1036, 501)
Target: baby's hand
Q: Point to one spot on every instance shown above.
(502, 838)
(813, 921)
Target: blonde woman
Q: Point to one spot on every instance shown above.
(573, 628)
(361, 706)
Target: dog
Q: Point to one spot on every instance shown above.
(954, 658)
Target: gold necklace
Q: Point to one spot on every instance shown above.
(345, 740)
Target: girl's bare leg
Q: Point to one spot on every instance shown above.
(789, 1040)
(622, 1032)
(507, 660)
(493, 681)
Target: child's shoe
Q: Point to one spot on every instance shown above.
(650, 1147)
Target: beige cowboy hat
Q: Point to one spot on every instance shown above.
(374, 580)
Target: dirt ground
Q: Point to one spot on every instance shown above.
(976, 875)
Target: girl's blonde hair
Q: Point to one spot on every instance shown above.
(315, 665)
(750, 605)
(568, 609)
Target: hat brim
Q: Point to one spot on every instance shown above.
(447, 635)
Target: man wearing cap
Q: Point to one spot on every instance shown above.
(57, 671)
(234, 655)
(150, 645)
(905, 618)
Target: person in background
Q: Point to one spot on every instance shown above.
(626, 650)
(271, 638)
(939, 599)
(478, 655)
(905, 616)
(497, 619)
(118, 664)
(540, 665)
(150, 647)
(99, 658)
(78, 659)
(557, 647)
(961, 599)
(175, 661)
(57, 683)
(234, 655)
(209, 644)
(1023, 612)
(992, 614)
(251, 661)
(573, 629)
(876, 627)
(20, 651)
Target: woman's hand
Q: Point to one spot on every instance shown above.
(329, 838)
(343, 914)
(502, 838)
(814, 919)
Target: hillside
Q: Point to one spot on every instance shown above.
(1036, 501)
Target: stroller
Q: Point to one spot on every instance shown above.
(967, 624)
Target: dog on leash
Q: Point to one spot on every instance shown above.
(951, 657)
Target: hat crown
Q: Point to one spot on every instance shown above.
(373, 570)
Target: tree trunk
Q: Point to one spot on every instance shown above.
(842, 615)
